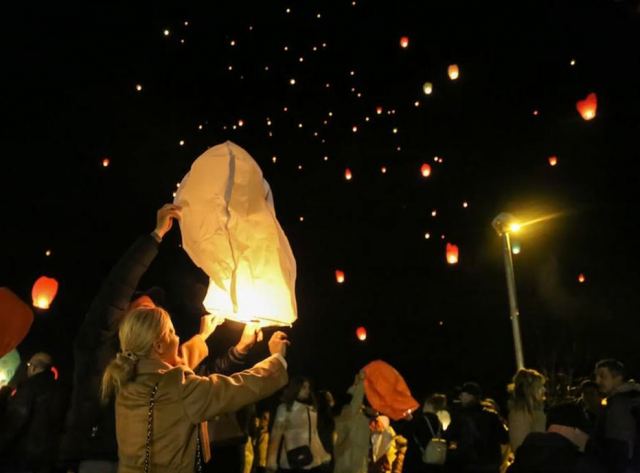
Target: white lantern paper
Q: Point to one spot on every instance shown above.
(229, 229)
(8, 365)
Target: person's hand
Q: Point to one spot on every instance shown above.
(250, 335)
(208, 324)
(279, 343)
(165, 217)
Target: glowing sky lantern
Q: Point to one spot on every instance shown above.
(339, 276)
(453, 71)
(581, 278)
(347, 174)
(404, 42)
(361, 333)
(9, 363)
(587, 107)
(427, 88)
(516, 248)
(43, 292)
(229, 229)
(379, 110)
(105, 162)
(452, 253)
(425, 169)
(553, 160)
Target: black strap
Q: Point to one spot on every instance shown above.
(283, 442)
(147, 447)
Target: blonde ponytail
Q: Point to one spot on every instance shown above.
(140, 328)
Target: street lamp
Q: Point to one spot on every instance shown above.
(505, 224)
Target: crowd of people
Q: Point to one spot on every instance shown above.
(144, 402)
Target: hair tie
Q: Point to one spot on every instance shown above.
(129, 354)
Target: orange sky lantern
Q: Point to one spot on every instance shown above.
(339, 276)
(453, 71)
(404, 42)
(581, 278)
(587, 107)
(347, 174)
(452, 253)
(105, 162)
(43, 292)
(361, 333)
(425, 169)
(553, 160)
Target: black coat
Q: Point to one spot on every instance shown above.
(90, 429)
(418, 435)
(31, 425)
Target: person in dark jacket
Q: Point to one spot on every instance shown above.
(419, 428)
(617, 438)
(476, 435)
(32, 420)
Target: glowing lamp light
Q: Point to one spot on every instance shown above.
(425, 169)
(515, 227)
(453, 71)
(452, 253)
(361, 333)
(43, 292)
(515, 248)
(553, 160)
(404, 42)
(339, 276)
(347, 174)
(587, 107)
(427, 88)
(581, 278)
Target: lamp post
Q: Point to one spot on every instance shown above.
(505, 224)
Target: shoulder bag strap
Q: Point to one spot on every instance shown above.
(433, 434)
(147, 447)
(309, 418)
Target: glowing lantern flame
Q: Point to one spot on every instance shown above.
(404, 42)
(361, 333)
(347, 174)
(339, 276)
(425, 170)
(379, 110)
(43, 292)
(453, 71)
(105, 163)
(452, 253)
(553, 160)
(581, 278)
(427, 88)
(587, 107)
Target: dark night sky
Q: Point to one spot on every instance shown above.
(71, 100)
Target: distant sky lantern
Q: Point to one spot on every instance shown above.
(581, 278)
(354, 129)
(453, 71)
(181, 142)
(587, 107)
(48, 253)
(240, 122)
(379, 110)
(516, 248)
(434, 213)
(573, 62)
(553, 160)
(404, 42)
(465, 204)
(43, 292)
(105, 163)
(292, 81)
(361, 333)
(383, 169)
(536, 113)
(427, 236)
(347, 174)
(452, 253)
(167, 32)
(139, 87)
(339, 276)
(425, 169)
(427, 88)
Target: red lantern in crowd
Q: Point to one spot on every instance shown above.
(553, 160)
(347, 174)
(16, 318)
(452, 253)
(404, 42)
(425, 170)
(588, 106)
(43, 292)
(339, 276)
(361, 333)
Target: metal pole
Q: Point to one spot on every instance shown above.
(513, 302)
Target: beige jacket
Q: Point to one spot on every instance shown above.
(183, 401)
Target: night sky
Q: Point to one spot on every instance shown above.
(216, 71)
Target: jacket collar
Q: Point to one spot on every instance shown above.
(152, 365)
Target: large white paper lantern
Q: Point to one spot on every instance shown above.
(229, 229)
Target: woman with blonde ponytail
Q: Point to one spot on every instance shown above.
(161, 403)
(526, 407)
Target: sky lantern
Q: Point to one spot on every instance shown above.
(587, 107)
(427, 88)
(361, 333)
(347, 174)
(581, 278)
(553, 160)
(516, 248)
(106, 162)
(16, 318)
(452, 253)
(43, 292)
(453, 71)
(250, 264)
(9, 364)
(339, 276)
(404, 42)
(425, 169)
(379, 110)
